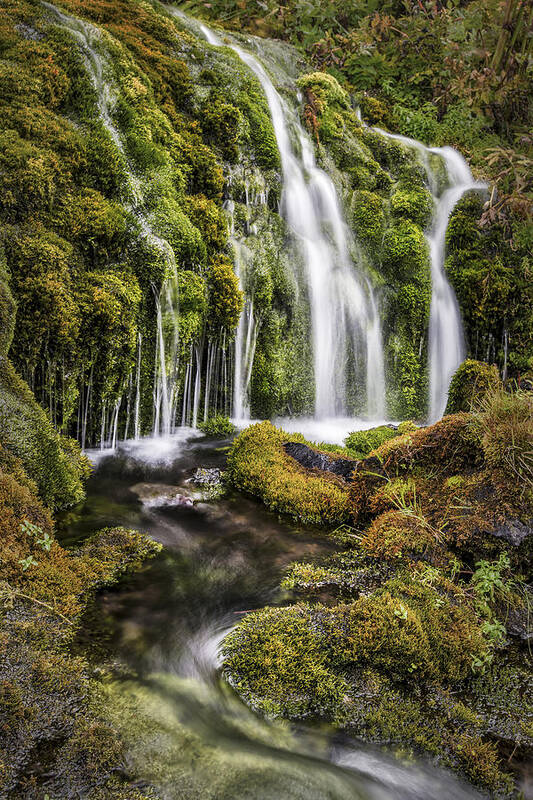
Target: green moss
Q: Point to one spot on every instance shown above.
(225, 297)
(26, 431)
(405, 255)
(406, 628)
(183, 236)
(369, 218)
(361, 443)
(258, 464)
(415, 205)
(193, 300)
(278, 663)
(219, 427)
(469, 385)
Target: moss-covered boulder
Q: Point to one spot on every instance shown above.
(259, 465)
(470, 384)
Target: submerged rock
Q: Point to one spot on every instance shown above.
(313, 459)
(206, 477)
(161, 494)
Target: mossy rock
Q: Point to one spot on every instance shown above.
(470, 384)
(405, 253)
(258, 464)
(55, 464)
(415, 204)
(278, 662)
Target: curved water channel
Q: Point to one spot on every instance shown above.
(187, 734)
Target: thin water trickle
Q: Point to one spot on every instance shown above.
(88, 38)
(446, 337)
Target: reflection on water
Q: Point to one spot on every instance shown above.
(187, 734)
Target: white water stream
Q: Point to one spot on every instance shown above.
(446, 339)
(343, 315)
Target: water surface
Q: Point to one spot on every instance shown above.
(187, 733)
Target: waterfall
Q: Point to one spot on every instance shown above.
(245, 339)
(446, 339)
(167, 300)
(343, 319)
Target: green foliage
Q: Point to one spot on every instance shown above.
(361, 443)
(469, 385)
(218, 427)
(493, 285)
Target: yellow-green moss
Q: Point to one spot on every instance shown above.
(258, 464)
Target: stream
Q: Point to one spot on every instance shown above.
(187, 734)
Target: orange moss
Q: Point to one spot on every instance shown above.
(396, 534)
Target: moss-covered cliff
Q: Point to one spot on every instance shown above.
(140, 170)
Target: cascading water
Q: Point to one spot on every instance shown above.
(446, 339)
(167, 300)
(345, 328)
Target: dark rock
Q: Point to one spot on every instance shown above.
(312, 459)
(514, 532)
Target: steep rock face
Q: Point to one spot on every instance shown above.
(160, 180)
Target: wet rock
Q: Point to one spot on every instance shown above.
(161, 494)
(206, 477)
(312, 459)
(209, 482)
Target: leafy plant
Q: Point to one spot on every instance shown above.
(28, 562)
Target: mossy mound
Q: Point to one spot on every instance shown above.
(258, 464)
(361, 443)
(378, 667)
(52, 741)
(54, 463)
(470, 384)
